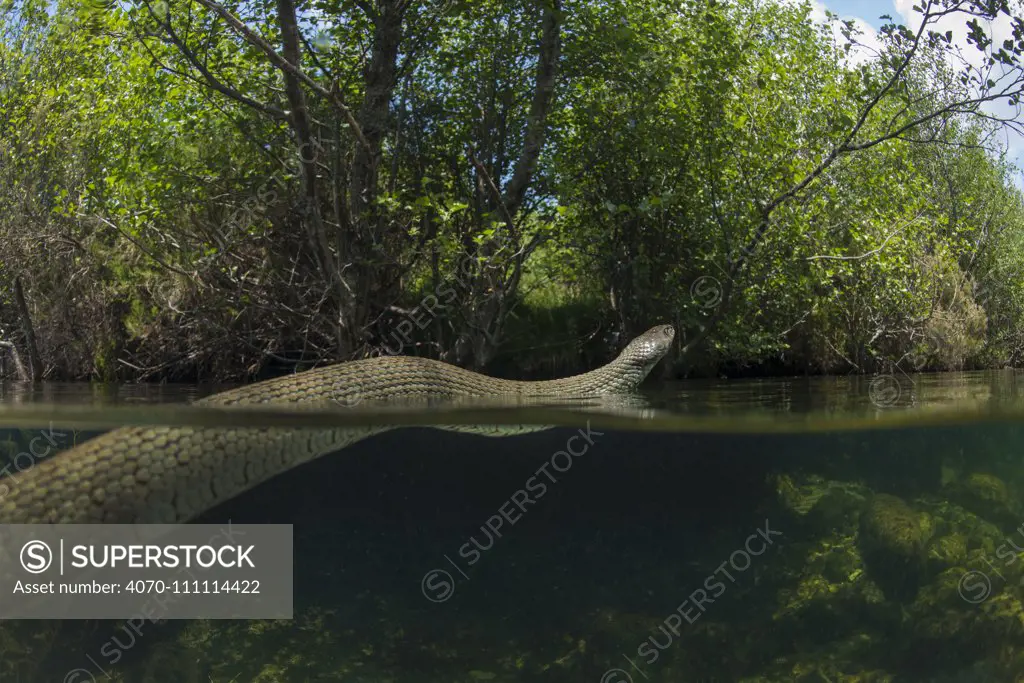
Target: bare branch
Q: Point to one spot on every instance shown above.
(495, 194)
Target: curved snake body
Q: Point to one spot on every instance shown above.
(173, 474)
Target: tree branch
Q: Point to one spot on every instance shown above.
(543, 95)
(280, 62)
(208, 76)
(495, 194)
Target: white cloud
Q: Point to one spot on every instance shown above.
(869, 44)
(868, 38)
(999, 30)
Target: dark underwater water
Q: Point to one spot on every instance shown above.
(424, 555)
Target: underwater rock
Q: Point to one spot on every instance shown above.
(798, 497)
(947, 551)
(955, 629)
(839, 661)
(988, 496)
(826, 504)
(892, 540)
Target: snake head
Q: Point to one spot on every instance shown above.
(655, 342)
(645, 351)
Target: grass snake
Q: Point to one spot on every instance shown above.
(173, 474)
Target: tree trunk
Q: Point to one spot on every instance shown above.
(19, 367)
(308, 148)
(543, 96)
(379, 80)
(35, 362)
(486, 319)
(368, 246)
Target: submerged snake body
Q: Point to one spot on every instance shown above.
(173, 474)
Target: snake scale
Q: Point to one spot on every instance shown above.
(174, 474)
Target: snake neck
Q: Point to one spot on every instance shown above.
(621, 376)
(624, 374)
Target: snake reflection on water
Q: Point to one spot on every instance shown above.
(173, 474)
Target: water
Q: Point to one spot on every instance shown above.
(811, 530)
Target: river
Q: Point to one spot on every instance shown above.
(758, 531)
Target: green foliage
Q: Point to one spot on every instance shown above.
(667, 160)
(157, 209)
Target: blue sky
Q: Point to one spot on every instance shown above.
(868, 10)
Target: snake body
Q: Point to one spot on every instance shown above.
(173, 474)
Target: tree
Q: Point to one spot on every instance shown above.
(721, 178)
